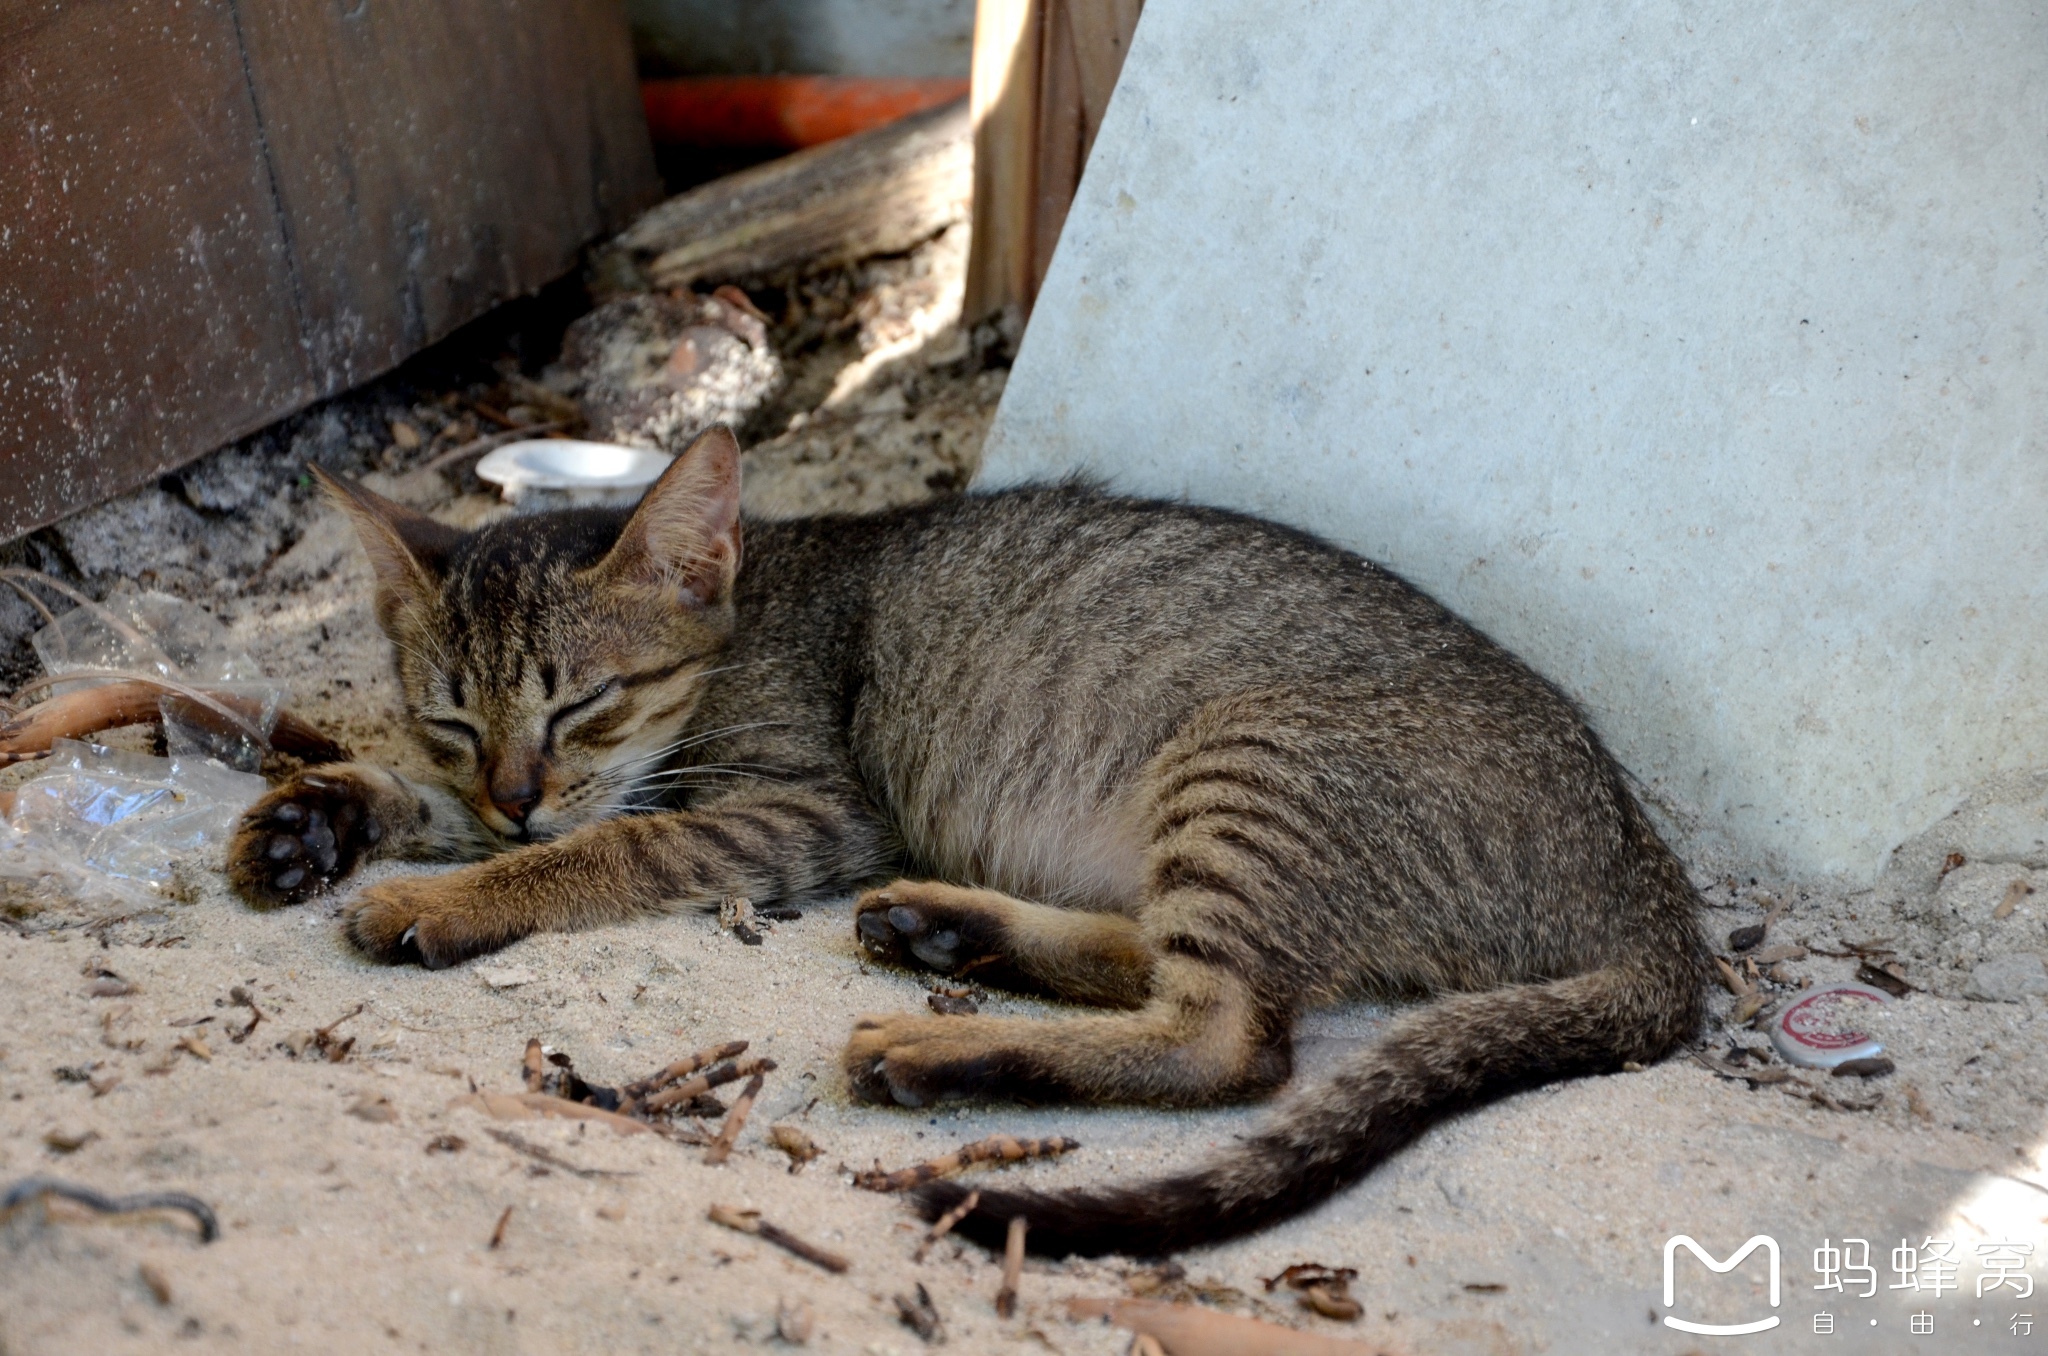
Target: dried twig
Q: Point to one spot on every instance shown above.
(920, 1315)
(323, 1037)
(1197, 1331)
(242, 998)
(721, 1148)
(520, 1106)
(750, 1222)
(35, 1188)
(1759, 1077)
(1013, 1267)
(136, 700)
(704, 1082)
(994, 1149)
(943, 1225)
(540, 1153)
(535, 1069)
(682, 1068)
(498, 1234)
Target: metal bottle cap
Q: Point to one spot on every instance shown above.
(1802, 1036)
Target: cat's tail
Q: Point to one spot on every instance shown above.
(1446, 1057)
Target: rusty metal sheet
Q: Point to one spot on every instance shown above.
(228, 209)
(433, 159)
(144, 278)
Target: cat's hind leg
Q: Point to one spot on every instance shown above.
(1011, 943)
(1201, 1038)
(1243, 909)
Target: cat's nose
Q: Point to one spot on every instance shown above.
(517, 794)
(517, 803)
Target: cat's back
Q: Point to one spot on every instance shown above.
(1092, 591)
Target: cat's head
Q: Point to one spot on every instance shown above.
(549, 663)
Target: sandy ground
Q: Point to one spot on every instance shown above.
(1534, 1225)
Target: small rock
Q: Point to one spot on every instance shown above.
(377, 1110)
(658, 369)
(1876, 1066)
(505, 976)
(69, 1141)
(794, 1322)
(1746, 938)
(2007, 979)
(110, 986)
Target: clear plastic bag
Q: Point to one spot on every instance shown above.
(100, 821)
(156, 635)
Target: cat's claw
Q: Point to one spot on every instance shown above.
(300, 839)
(431, 921)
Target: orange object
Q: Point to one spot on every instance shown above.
(783, 112)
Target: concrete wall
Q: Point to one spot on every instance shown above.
(1695, 353)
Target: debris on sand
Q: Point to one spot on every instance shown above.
(736, 915)
(917, 1313)
(1190, 1330)
(750, 1222)
(943, 1225)
(1323, 1289)
(791, 1139)
(650, 1104)
(37, 1188)
(994, 1149)
(1013, 1268)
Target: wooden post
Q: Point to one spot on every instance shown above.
(1043, 73)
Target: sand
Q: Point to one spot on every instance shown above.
(1534, 1225)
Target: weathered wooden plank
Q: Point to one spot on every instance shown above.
(217, 212)
(144, 279)
(1043, 74)
(876, 192)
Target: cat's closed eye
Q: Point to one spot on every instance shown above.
(462, 730)
(577, 707)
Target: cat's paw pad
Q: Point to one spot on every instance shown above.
(928, 925)
(421, 920)
(302, 838)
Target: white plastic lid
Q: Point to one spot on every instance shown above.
(568, 464)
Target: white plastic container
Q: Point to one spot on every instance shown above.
(549, 473)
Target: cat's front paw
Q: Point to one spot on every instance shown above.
(302, 838)
(434, 921)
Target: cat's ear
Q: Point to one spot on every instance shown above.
(407, 549)
(685, 535)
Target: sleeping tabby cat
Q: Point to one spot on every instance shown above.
(1196, 770)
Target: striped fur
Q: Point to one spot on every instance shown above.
(1193, 769)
